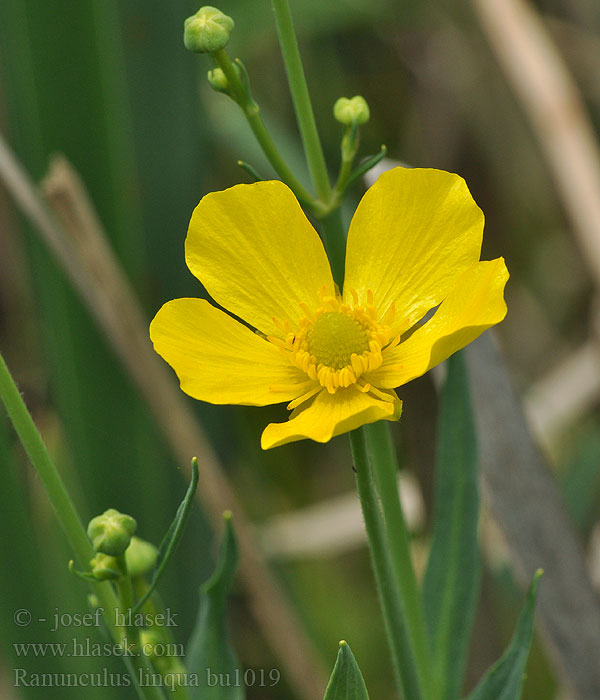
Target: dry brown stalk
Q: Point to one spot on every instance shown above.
(556, 110)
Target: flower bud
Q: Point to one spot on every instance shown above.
(218, 80)
(105, 567)
(111, 532)
(153, 645)
(207, 31)
(140, 557)
(347, 111)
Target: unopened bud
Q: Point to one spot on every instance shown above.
(105, 567)
(347, 111)
(111, 532)
(140, 557)
(207, 31)
(218, 80)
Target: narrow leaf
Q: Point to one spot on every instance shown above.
(171, 539)
(504, 680)
(251, 170)
(346, 682)
(210, 655)
(451, 582)
(365, 166)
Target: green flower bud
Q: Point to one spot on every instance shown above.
(154, 645)
(218, 80)
(140, 557)
(105, 567)
(111, 532)
(346, 111)
(207, 31)
(149, 638)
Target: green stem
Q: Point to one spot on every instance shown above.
(389, 596)
(385, 469)
(334, 238)
(49, 476)
(153, 607)
(61, 503)
(140, 662)
(252, 113)
(301, 99)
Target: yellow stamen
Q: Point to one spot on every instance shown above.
(301, 399)
(381, 395)
(277, 341)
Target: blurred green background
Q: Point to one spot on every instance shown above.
(110, 85)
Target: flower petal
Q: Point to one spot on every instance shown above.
(219, 360)
(414, 232)
(329, 415)
(257, 254)
(475, 304)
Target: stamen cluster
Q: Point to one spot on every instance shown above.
(336, 344)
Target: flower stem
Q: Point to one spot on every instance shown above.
(301, 99)
(334, 238)
(385, 469)
(403, 656)
(139, 660)
(51, 480)
(252, 113)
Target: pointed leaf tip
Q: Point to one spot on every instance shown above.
(504, 680)
(210, 653)
(346, 682)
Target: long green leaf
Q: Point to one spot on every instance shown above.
(504, 680)
(451, 581)
(171, 539)
(346, 682)
(210, 655)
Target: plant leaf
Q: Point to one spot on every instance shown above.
(171, 539)
(209, 654)
(346, 682)
(451, 582)
(504, 680)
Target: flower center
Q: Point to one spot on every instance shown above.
(338, 342)
(334, 337)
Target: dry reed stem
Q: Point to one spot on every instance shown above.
(555, 108)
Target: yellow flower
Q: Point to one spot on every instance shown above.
(413, 244)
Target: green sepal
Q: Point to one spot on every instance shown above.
(346, 682)
(209, 654)
(171, 539)
(451, 582)
(244, 79)
(84, 575)
(504, 680)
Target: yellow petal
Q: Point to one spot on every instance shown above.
(329, 415)
(257, 254)
(219, 360)
(475, 304)
(414, 232)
